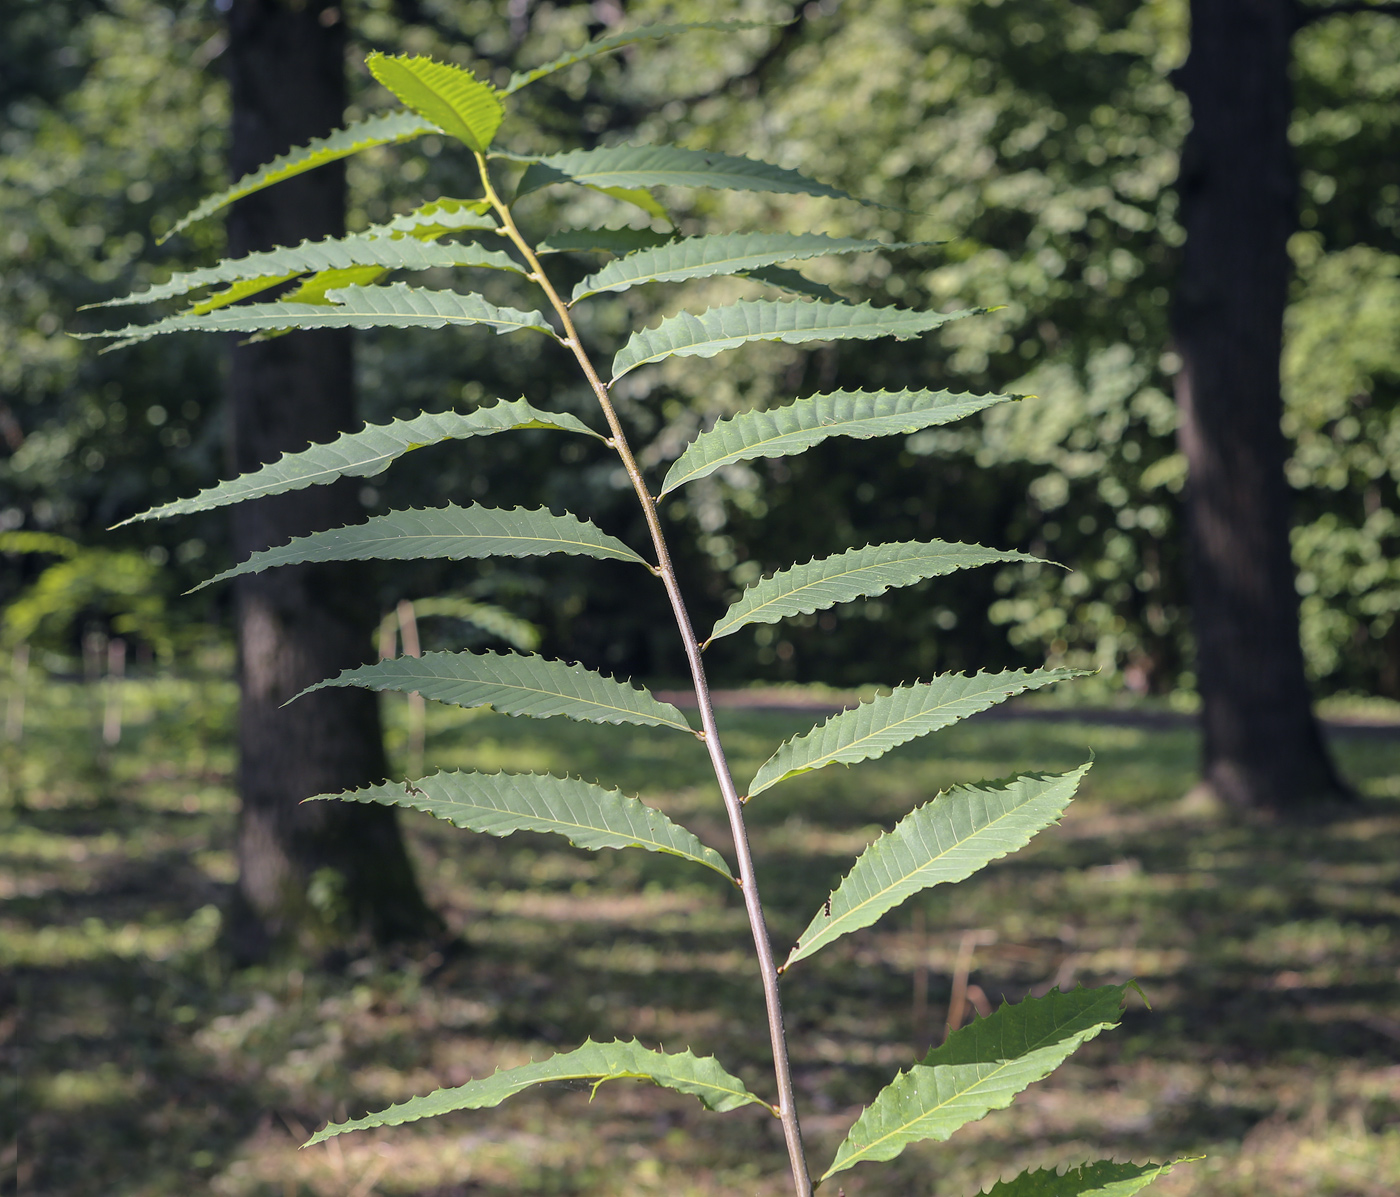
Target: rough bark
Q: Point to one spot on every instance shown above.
(306, 871)
(1262, 746)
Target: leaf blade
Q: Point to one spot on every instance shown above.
(587, 815)
(389, 129)
(979, 1069)
(857, 573)
(515, 685)
(721, 253)
(633, 166)
(871, 729)
(395, 306)
(1102, 1178)
(454, 533)
(366, 453)
(699, 1076)
(713, 331)
(451, 97)
(613, 241)
(945, 840)
(797, 426)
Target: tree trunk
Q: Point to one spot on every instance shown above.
(1262, 746)
(317, 871)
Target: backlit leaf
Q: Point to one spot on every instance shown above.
(367, 452)
(612, 241)
(783, 431)
(856, 573)
(587, 815)
(451, 97)
(454, 533)
(717, 329)
(981, 1068)
(942, 841)
(1103, 1178)
(871, 729)
(515, 685)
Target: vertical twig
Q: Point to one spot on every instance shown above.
(957, 1001)
(417, 708)
(919, 1016)
(14, 709)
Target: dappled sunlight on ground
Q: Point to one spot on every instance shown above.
(136, 1064)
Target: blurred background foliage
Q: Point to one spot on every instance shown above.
(1034, 140)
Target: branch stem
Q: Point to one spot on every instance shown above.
(787, 1105)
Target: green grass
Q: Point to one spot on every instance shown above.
(134, 1063)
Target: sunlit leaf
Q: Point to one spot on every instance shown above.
(451, 97)
(1103, 1178)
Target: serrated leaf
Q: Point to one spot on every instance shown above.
(615, 41)
(241, 290)
(610, 241)
(587, 815)
(454, 99)
(1103, 1178)
(784, 431)
(699, 1076)
(453, 533)
(437, 217)
(665, 166)
(979, 1069)
(856, 573)
(496, 621)
(365, 249)
(396, 306)
(367, 452)
(871, 729)
(638, 197)
(942, 841)
(722, 253)
(717, 329)
(792, 280)
(515, 685)
(362, 135)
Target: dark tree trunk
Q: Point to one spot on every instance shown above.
(1238, 187)
(321, 868)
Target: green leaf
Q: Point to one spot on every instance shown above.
(665, 166)
(700, 1076)
(587, 815)
(449, 532)
(981, 1068)
(389, 129)
(784, 431)
(396, 306)
(724, 253)
(316, 288)
(437, 217)
(367, 452)
(638, 197)
(454, 99)
(792, 280)
(610, 241)
(496, 621)
(515, 685)
(615, 41)
(942, 841)
(856, 573)
(396, 252)
(239, 291)
(1102, 1178)
(718, 329)
(871, 729)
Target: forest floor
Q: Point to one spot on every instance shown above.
(134, 1062)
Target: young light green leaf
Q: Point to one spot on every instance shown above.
(515, 685)
(871, 729)
(496, 621)
(700, 1076)
(784, 431)
(665, 166)
(362, 135)
(610, 241)
(396, 306)
(449, 532)
(437, 217)
(942, 841)
(856, 573)
(723, 253)
(979, 1069)
(717, 329)
(792, 280)
(367, 452)
(615, 41)
(587, 815)
(365, 249)
(1103, 1178)
(454, 99)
